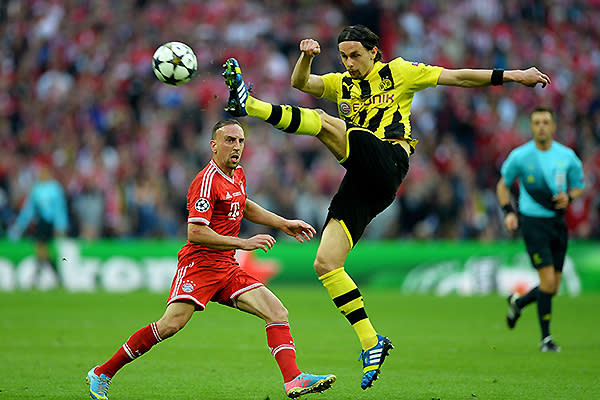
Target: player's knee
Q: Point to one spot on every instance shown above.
(169, 327)
(279, 313)
(322, 267)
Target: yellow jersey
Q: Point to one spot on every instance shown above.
(381, 101)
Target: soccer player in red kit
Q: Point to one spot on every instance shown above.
(207, 269)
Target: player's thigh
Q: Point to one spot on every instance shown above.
(333, 248)
(263, 303)
(333, 135)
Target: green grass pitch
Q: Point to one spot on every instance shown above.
(446, 348)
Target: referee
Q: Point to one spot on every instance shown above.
(550, 177)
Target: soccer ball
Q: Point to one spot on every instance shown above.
(174, 63)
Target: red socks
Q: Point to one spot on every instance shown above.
(279, 340)
(282, 347)
(139, 343)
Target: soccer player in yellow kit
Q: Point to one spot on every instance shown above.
(371, 139)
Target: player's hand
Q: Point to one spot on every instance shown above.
(511, 222)
(561, 200)
(310, 47)
(261, 241)
(532, 76)
(299, 229)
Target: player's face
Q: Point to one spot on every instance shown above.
(542, 127)
(227, 147)
(357, 59)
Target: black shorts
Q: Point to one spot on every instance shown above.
(375, 169)
(44, 231)
(546, 240)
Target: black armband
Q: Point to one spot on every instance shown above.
(508, 208)
(497, 77)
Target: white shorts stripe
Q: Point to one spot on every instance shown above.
(186, 297)
(243, 290)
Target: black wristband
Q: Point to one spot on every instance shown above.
(508, 208)
(570, 198)
(497, 77)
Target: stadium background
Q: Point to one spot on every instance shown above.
(78, 92)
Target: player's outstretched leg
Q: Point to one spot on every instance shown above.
(514, 311)
(98, 384)
(307, 383)
(373, 359)
(287, 118)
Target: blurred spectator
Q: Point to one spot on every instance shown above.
(76, 83)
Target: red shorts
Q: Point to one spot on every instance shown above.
(204, 283)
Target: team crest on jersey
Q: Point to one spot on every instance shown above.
(202, 205)
(345, 108)
(187, 286)
(385, 84)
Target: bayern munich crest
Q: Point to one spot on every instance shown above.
(202, 205)
(187, 287)
(345, 108)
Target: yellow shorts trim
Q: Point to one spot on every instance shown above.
(347, 233)
(347, 145)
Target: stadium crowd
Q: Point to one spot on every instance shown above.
(77, 93)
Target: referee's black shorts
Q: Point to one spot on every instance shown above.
(375, 169)
(546, 240)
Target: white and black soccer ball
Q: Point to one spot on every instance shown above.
(174, 63)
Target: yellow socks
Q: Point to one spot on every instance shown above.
(290, 119)
(348, 300)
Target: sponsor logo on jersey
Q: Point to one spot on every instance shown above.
(345, 108)
(227, 196)
(202, 205)
(376, 99)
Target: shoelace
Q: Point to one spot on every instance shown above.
(361, 356)
(103, 384)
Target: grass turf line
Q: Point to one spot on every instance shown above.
(446, 348)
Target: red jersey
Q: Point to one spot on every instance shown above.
(217, 200)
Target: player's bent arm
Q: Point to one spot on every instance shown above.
(502, 193)
(257, 214)
(470, 78)
(303, 80)
(204, 235)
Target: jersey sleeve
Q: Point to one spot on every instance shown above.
(200, 202)
(510, 168)
(575, 178)
(417, 76)
(332, 83)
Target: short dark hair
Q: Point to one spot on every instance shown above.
(222, 123)
(543, 109)
(362, 34)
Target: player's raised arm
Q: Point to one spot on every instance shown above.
(302, 79)
(470, 78)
